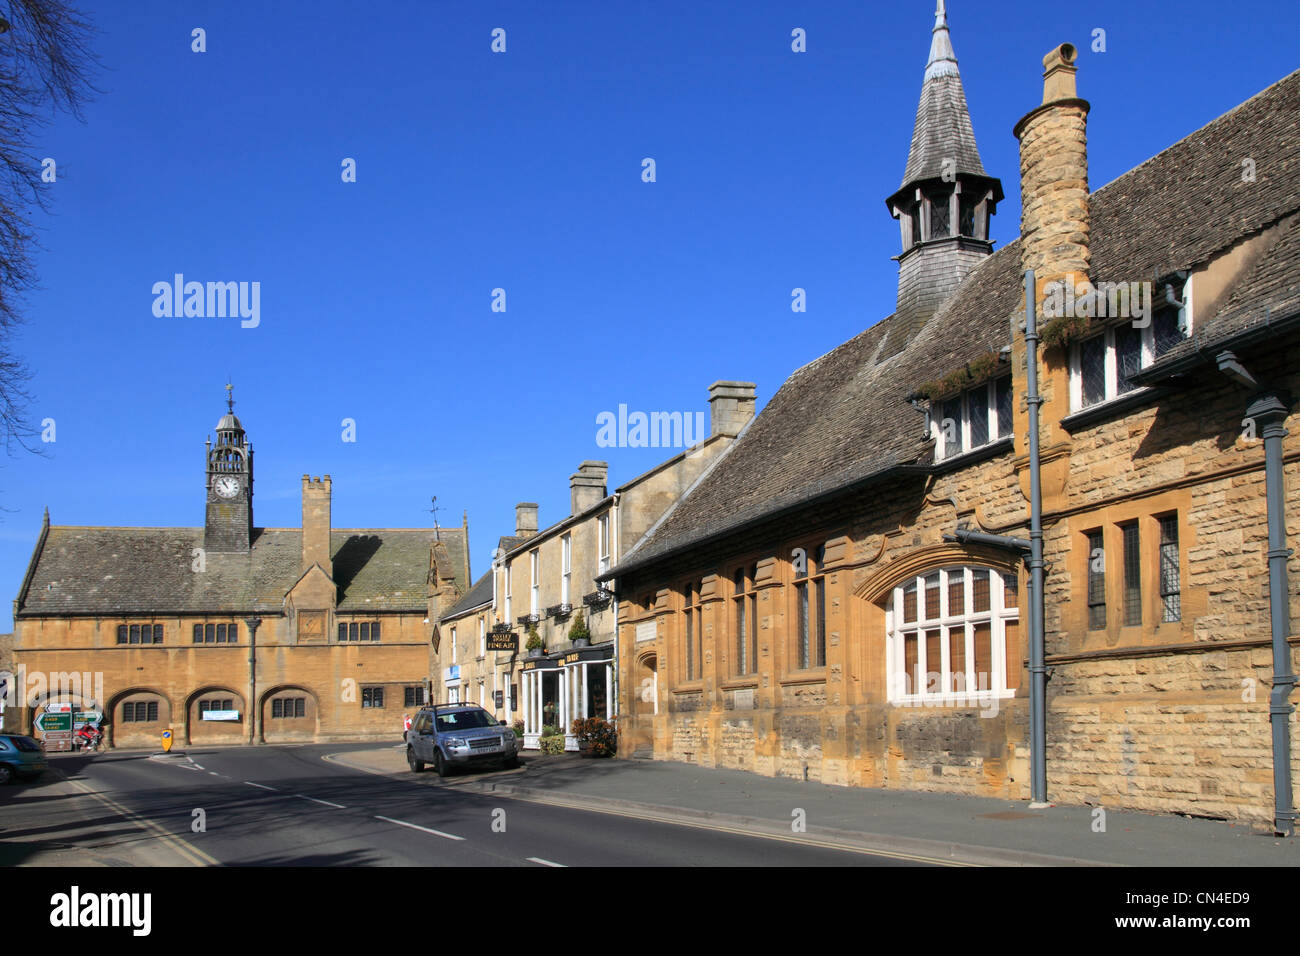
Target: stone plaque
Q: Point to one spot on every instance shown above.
(744, 699)
(646, 631)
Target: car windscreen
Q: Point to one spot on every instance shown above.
(464, 720)
(25, 743)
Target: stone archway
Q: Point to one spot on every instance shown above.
(137, 717)
(199, 729)
(645, 682)
(289, 713)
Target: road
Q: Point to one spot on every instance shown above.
(269, 806)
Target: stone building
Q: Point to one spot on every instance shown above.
(158, 625)
(805, 610)
(543, 580)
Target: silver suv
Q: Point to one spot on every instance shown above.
(452, 735)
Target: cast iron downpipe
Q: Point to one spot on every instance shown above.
(1037, 669)
(253, 709)
(1269, 410)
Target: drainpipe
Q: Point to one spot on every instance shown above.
(1269, 410)
(253, 710)
(1037, 669)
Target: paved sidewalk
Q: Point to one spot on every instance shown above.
(941, 826)
(61, 820)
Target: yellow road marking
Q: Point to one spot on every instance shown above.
(192, 854)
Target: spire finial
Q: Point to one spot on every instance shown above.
(943, 61)
(230, 398)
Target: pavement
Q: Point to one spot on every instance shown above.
(973, 830)
(61, 819)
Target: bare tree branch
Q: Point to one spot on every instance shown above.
(46, 65)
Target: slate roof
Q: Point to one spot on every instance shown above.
(84, 570)
(845, 418)
(477, 596)
(942, 129)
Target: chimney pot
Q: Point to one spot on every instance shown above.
(1058, 74)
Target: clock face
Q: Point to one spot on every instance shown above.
(225, 486)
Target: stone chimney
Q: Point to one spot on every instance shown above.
(525, 519)
(1054, 221)
(731, 406)
(316, 523)
(1054, 227)
(587, 486)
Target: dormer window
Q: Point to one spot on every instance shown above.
(977, 417)
(1102, 365)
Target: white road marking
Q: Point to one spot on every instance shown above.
(214, 773)
(538, 859)
(262, 785)
(403, 823)
(336, 806)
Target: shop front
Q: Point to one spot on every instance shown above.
(560, 689)
(540, 678)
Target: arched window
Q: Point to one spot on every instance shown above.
(951, 634)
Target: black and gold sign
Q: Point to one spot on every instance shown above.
(503, 642)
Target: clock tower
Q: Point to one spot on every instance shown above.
(229, 522)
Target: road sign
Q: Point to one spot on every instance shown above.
(48, 722)
(60, 708)
(167, 741)
(57, 740)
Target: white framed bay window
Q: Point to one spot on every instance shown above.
(953, 637)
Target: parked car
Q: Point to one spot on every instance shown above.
(457, 735)
(21, 757)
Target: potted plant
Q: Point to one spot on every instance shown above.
(551, 740)
(597, 737)
(579, 634)
(534, 644)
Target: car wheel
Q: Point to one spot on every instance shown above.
(6, 774)
(512, 763)
(440, 764)
(417, 766)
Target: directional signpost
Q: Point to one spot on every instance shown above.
(56, 730)
(48, 722)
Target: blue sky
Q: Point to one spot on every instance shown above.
(519, 171)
